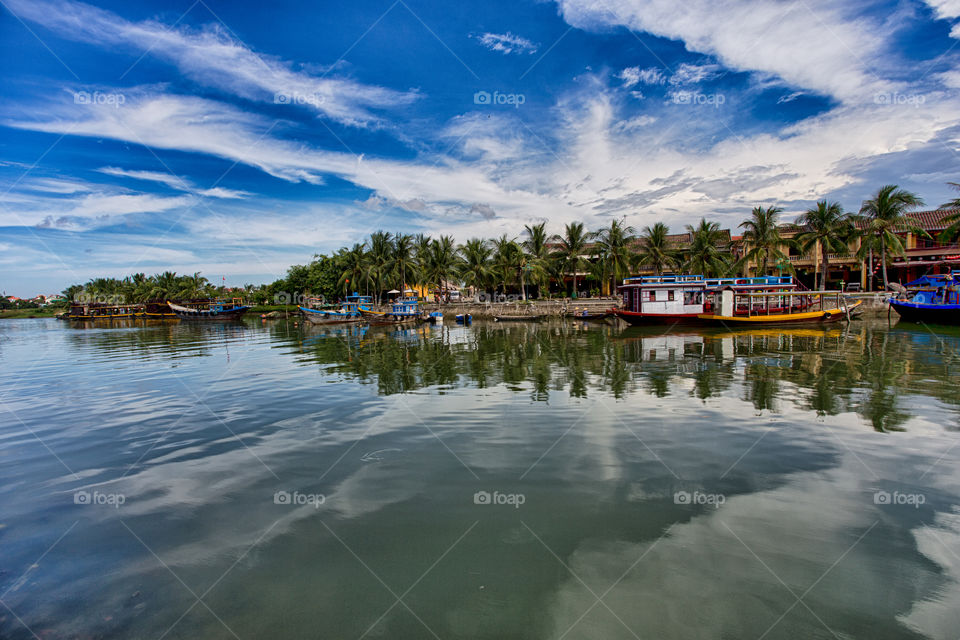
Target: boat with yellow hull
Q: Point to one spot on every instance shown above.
(738, 308)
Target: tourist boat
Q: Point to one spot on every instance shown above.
(159, 311)
(933, 299)
(683, 299)
(102, 312)
(404, 310)
(211, 312)
(349, 311)
(772, 306)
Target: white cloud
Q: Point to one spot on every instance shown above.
(815, 45)
(634, 75)
(174, 182)
(694, 73)
(944, 9)
(507, 43)
(214, 58)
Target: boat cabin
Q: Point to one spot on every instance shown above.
(406, 307)
(664, 295)
(935, 289)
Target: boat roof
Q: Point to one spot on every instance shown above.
(713, 283)
(936, 280)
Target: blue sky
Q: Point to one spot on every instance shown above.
(237, 138)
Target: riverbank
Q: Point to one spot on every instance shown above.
(29, 313)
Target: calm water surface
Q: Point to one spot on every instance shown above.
(499, 481)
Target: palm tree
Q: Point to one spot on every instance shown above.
(354, 265)
(763, 237)
(538, 255)
(570, 249)
(403, 259)
(613, 247)
(655, 249)
(507, 260)
(474, 267)
(421, 255)
(380, 259)
(885, 214)
(441, 261)
(705, 255)
(826, 226)
(164, 286)
(952, 231)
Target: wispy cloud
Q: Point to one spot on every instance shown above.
(174, 182)
(507, 43)
(631, 76)
(214, 58)
(818, 45)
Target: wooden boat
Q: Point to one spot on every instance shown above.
(435, 317)
(159, 311)
(102, 312)
(585, 315)
(464, 318)
(683, 299)
(777, 307)
(349, 311)
(931, 300)
(216, 311)
(517, 318)
(403, 311)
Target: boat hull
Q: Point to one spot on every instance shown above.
(213, 316)
(808, 317)
(927, 313)
(649, 319)
(516, 318)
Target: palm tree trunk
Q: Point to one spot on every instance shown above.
(883, 257)
(523, 290)
(824, 266)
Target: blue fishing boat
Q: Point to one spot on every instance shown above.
(464, 318)
(349, 311)
(402, 310)
(214, 311)
(933, 299)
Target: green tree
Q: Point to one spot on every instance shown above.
(885, 215)
(952, 232)
(613, 249)
(474, 266)
(655, 250)
(762, 235)
(828, 228)
(707, 254)
(570, 250)
(537, 247)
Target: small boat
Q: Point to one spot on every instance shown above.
(930, 299)
(435, 317)
(586, 315)
(404, 310)
(517, 318)
(464, 318)
(216, 311)
(349, 311)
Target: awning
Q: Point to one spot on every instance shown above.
(392, 291)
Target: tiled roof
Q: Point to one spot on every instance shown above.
(926, 220)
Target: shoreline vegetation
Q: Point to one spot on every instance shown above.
(537, 265)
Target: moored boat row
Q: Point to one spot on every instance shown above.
(192, 310)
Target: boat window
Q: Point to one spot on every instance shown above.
(670, 294)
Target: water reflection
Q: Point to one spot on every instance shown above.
(866, 368)
(598, 427)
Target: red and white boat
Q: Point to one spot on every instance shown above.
(684, 299)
